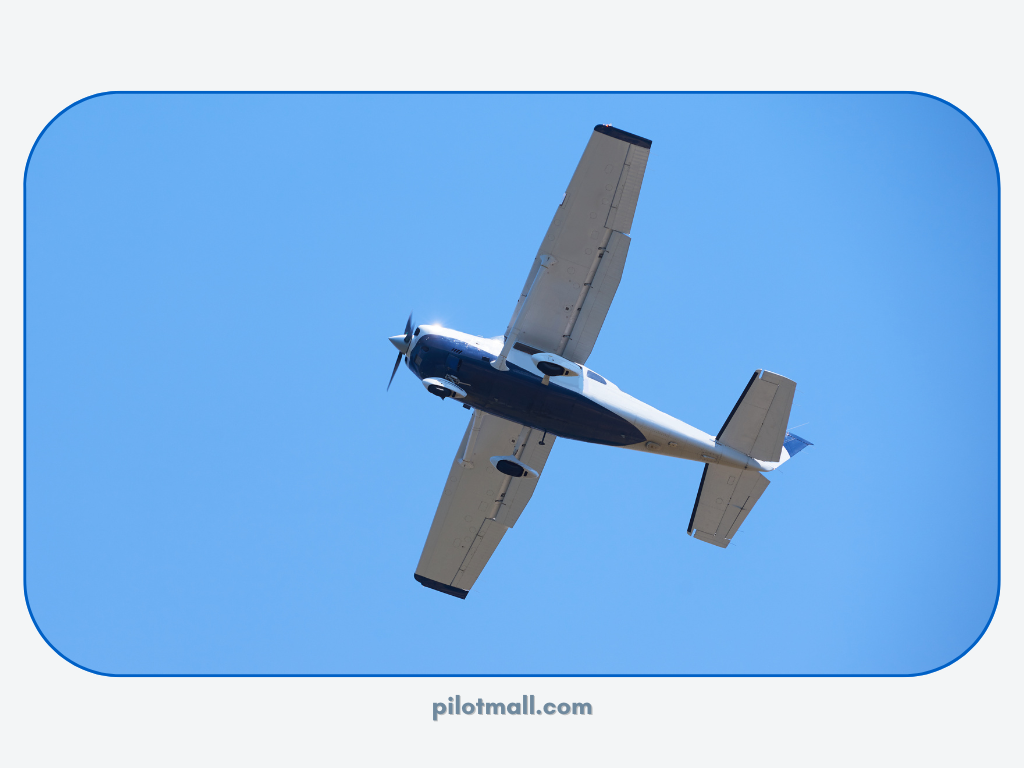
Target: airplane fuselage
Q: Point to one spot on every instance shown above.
(578, 405)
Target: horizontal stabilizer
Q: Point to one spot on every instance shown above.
(757, 425)
(724, 500)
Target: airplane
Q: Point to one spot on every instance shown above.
(532, 385)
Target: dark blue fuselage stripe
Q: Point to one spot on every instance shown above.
(518, 395)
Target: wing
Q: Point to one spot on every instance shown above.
(724, 500)
(584, 250)
(479, 503)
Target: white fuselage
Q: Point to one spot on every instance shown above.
(593, 402)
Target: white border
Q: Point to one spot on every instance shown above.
(56, 53)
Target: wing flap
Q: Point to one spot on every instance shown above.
(724, 499)
(599, 300)
(521, 489)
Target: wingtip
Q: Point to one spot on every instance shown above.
(441, 587)
(621, 135)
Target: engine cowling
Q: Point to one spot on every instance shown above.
(444, 388)
(513, 467)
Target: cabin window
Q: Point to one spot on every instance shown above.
(595, 377)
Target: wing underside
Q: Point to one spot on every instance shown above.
(479, 503)
(587, 246)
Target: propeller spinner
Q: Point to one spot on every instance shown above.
(402, 345)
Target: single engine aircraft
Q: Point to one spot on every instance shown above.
(533, 385)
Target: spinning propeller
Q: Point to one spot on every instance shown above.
(402, 345)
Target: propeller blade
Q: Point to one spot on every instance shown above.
(398, 362)
(408, 329)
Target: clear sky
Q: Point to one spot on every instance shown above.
(217, 481)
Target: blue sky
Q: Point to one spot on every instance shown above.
(217, 481)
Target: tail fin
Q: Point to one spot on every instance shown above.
(793, 445)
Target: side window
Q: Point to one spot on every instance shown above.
(595, 377)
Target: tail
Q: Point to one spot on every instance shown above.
(756, 427)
